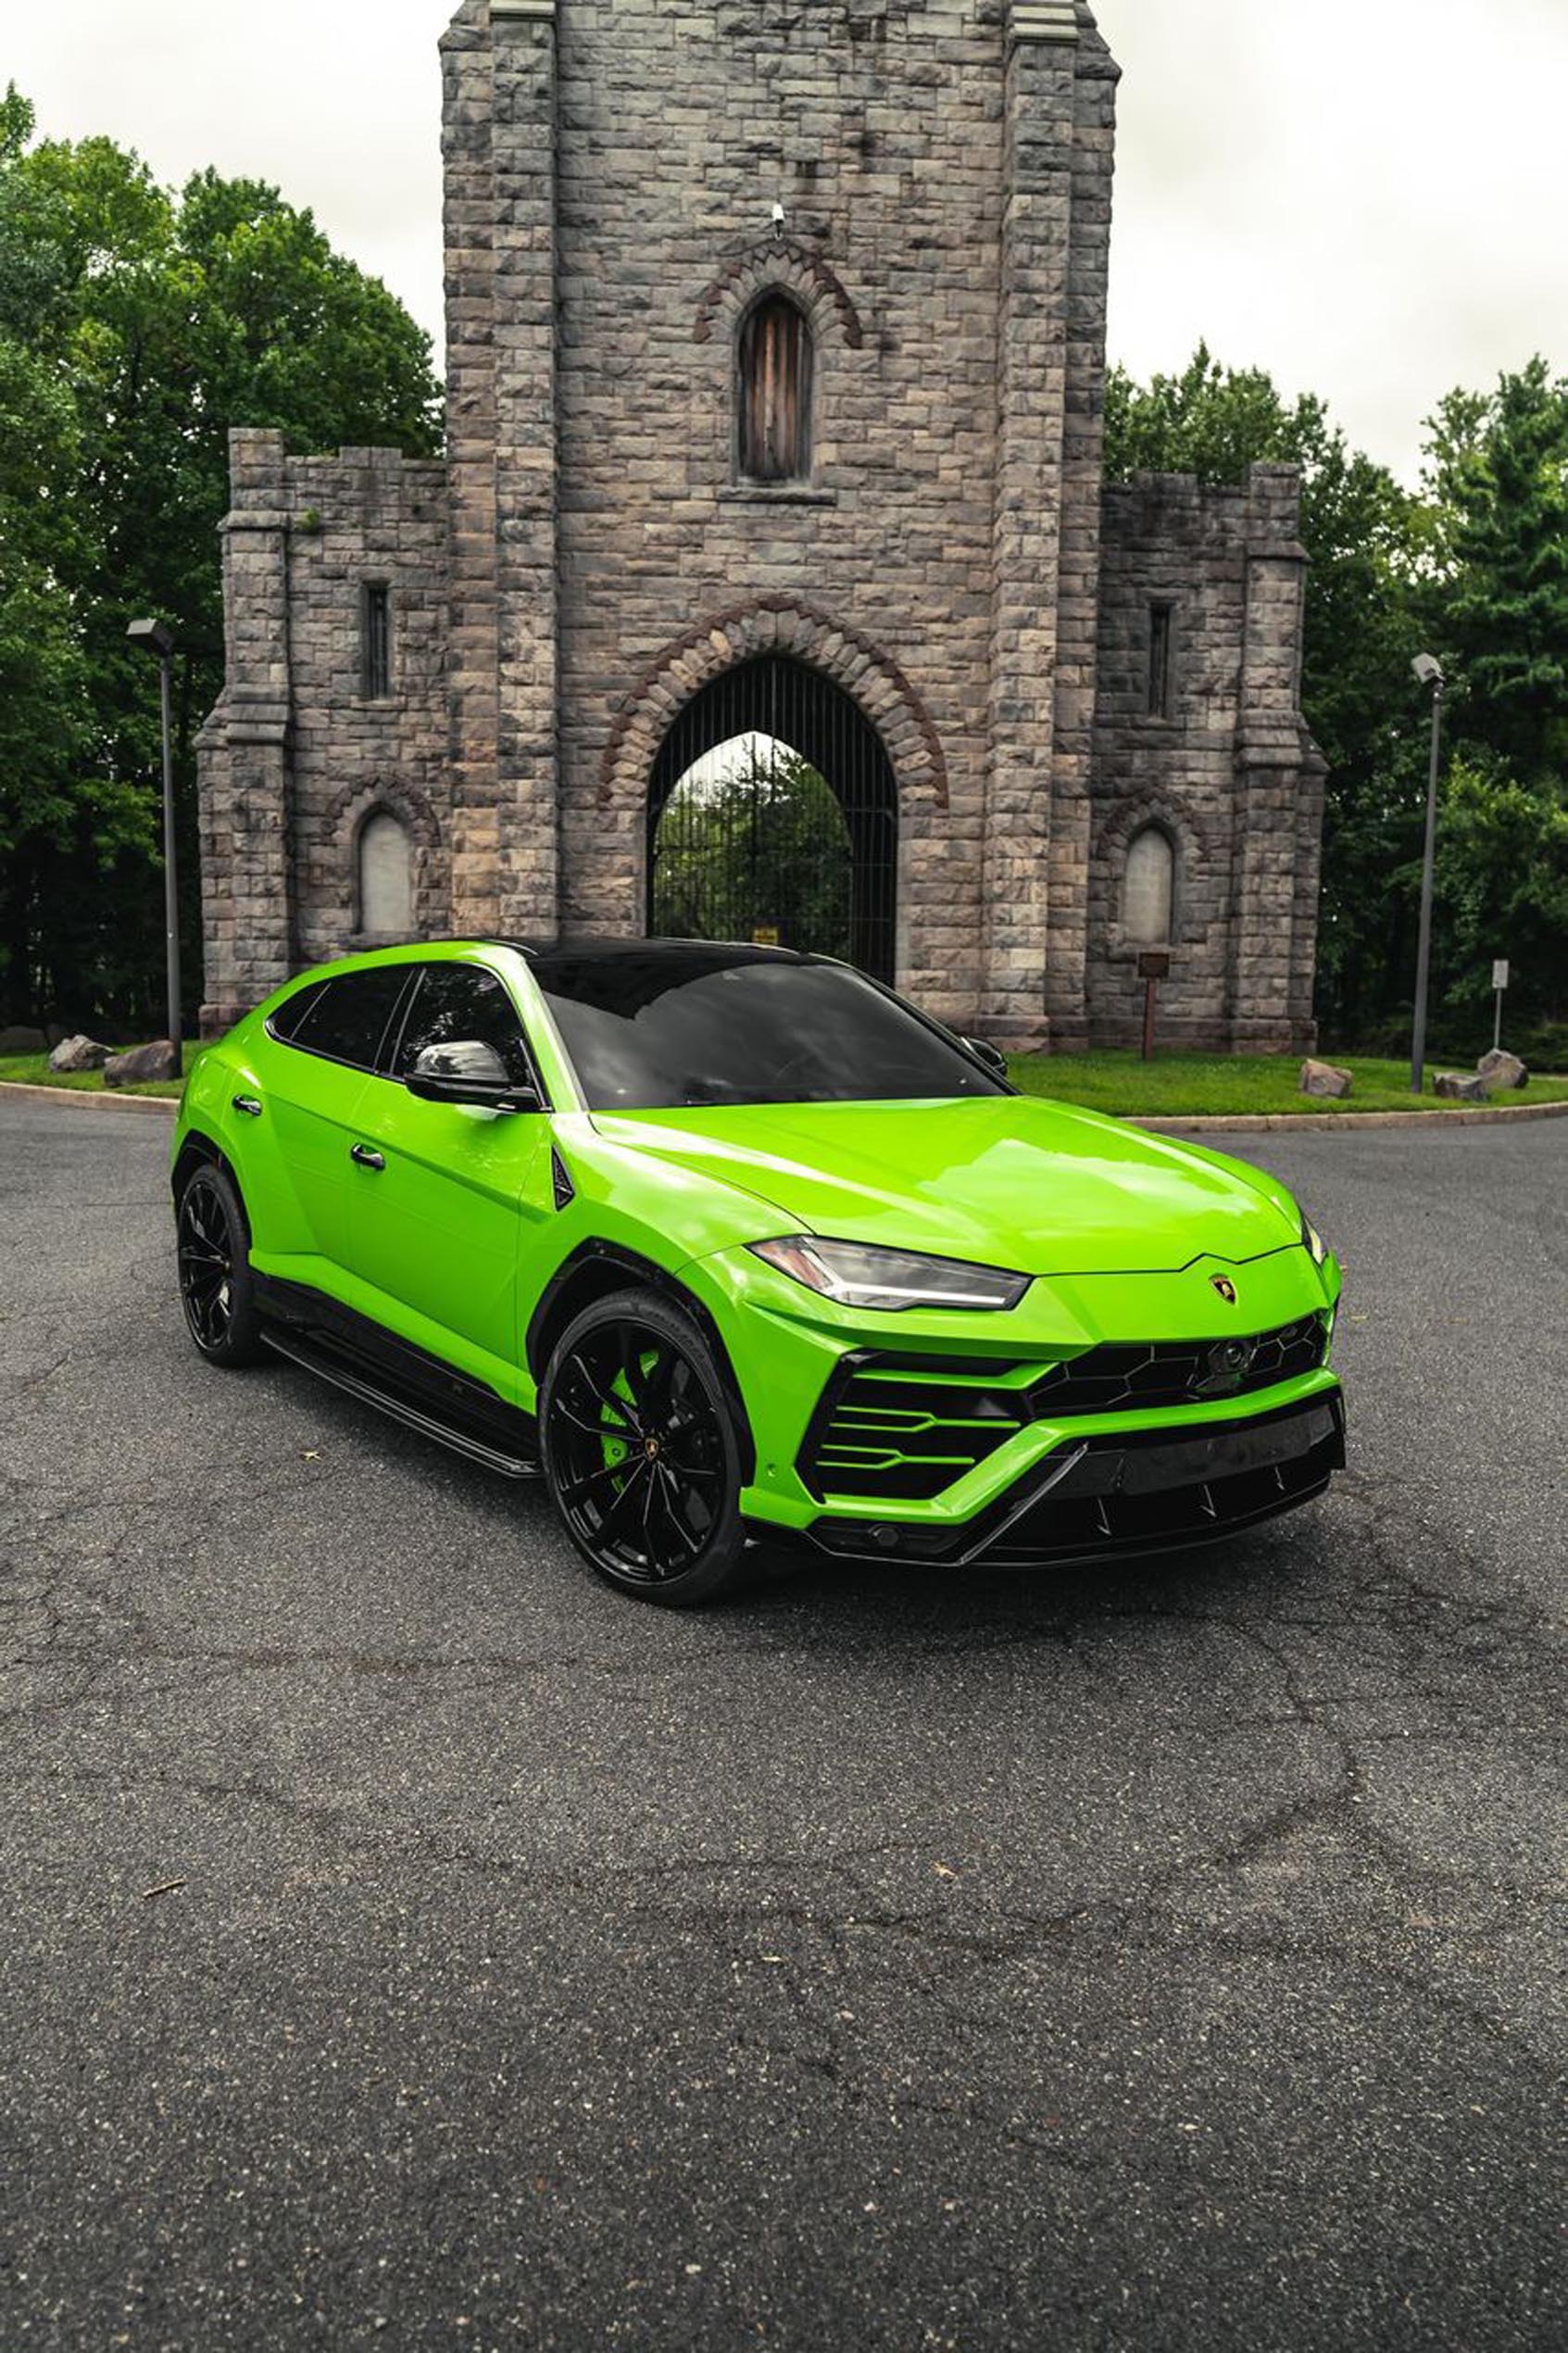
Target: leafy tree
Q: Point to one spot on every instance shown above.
(1498, 477)
(136, 326)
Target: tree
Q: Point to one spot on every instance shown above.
(136, 326)
(1498, 477)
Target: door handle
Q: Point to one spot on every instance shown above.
(248, 1104)
(364, 1157)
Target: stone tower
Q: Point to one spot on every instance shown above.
(775, 393)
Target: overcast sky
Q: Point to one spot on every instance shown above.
(1368, 197)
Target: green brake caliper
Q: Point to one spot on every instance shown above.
(616, 1442)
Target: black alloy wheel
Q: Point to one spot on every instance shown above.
(640, 1449)
(212, 1246)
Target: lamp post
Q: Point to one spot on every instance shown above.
(1429, 672)
(158, 639)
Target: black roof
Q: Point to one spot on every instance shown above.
(673, 952)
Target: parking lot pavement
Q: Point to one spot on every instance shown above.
(1150, 1959)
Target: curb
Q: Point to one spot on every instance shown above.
(1287, 1123)
(28, 1094)
(1292, 1123)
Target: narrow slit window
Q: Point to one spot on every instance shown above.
(1160, 645)
(375, 638)
(775, 368)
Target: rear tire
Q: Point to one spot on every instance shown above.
(212, 1244)
(641, 1450)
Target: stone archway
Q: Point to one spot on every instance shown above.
(780, 668)
(772, 816)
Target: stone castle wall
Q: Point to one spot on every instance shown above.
(587, 558)
(295, 756)
(1230, 775)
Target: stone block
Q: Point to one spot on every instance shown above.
(1461, 1087)
(160, 1060)
(1500, 1069)
(79, 1052)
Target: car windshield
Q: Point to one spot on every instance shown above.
(665, 1028)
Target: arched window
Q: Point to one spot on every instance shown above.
(774, 392)
(1148, 887)
(383, 878)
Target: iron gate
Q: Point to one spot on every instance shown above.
(794, 839)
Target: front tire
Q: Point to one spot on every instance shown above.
(212, 1244)
(641, 1450)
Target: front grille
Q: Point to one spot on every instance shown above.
(902, 1428)
(902, 1434)
(1117, 1495)
(1122, 1377)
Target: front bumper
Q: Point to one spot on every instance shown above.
(1122, 1492)
(927, 1453)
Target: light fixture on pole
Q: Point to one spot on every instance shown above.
(155, 638)
(1429, 673)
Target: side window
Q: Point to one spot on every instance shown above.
(292, 1011)
(347, 1019)
(462, 1001)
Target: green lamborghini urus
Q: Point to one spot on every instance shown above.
(732, 1246)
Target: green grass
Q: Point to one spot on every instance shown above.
(1238, 1085)
(32, 1070)
(1173, 1086)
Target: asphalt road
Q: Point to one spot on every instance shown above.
(1163, 1960)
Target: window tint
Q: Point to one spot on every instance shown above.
(347, 1019)
(718, 1025)
(292, 1011)
(461, 1002)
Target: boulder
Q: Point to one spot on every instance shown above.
(1500, 1069)
(160, 1060)
(21, 1040)
(1461, 1087)
(79, 1053)
(1324, 1079)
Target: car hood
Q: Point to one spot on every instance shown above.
(1004, 1180)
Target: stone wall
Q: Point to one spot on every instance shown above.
(295, 756)
(588, 559)
(1230, 773)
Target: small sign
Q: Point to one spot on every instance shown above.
(1154, 965)
(765, 936)
(1500, 973)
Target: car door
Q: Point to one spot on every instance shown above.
(445, 1193)
(322, 1048)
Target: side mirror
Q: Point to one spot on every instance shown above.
(988, 1054)
(468, 1071)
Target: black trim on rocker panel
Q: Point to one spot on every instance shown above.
(416, 1387)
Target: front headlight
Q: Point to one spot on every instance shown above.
(858, 1275)
(1311, 1240)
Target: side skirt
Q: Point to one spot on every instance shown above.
(366, 1362)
